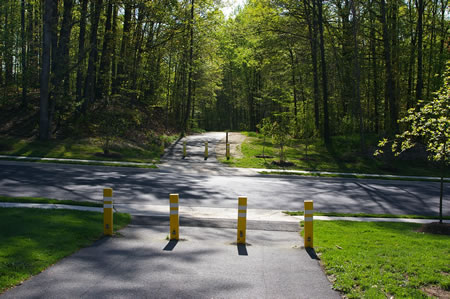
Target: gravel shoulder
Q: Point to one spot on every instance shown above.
(235, 139)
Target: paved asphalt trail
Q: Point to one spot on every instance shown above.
(142, 264)
(203, 183)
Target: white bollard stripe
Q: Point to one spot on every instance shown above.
(107, 206)
(242, 215)
(173, 205)
(242, 207)
(308, 218)
(309, 211)
(173, 212)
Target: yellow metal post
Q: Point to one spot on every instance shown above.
(174, 217)
(228, 151)
(308, 217)
(108, 211)
(206, 150)
(242, 219)
(184, 149)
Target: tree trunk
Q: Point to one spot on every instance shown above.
(431, 54)
(89, 90)
(190, 68)
(81, 46)
(24, 56)
(412, 58)
(374, 69)
(419, 86)
(49, 6)
(103, 84)
(326, 127)
(357, 74)
(390, 87)
(122, 68)
(294, 87)
(312, 32)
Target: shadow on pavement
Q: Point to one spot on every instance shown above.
(312, 253)
(242, 249)
(171, 245)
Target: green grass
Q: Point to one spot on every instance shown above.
(49, 201)
(334, 214)
(87, 149)
(380, 260)
(33, 239)
(343, 157)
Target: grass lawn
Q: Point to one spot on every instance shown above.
(380, 260)
(343, 157)
(49, 201)
(33, 239)
(334, 214)
(89, 149)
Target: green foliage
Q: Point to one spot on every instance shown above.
(378, 260)
(428, 123)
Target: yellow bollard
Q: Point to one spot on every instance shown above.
(242, 219)
(174, 217)
(184, 149)
(228, 151)
(107, 211)
(308, 228)
(206, 150)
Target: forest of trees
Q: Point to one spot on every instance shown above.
(330, 67)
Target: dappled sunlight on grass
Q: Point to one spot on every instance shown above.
(370, 259)
(89, 149)
(313, 155)
(33, 239)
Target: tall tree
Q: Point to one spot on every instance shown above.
(24, 56)
(326, 125)
(89, 90)
(420, 11)
(190, 68)
(48, 35)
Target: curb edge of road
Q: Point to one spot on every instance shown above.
(257, 170)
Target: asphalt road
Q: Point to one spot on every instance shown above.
(144, 186)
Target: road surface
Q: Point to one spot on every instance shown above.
(203, 183)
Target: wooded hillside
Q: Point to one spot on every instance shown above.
(324, 68)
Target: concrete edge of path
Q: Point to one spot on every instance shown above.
(213, 214)
(21, 158)
(255, 170)
(368, 175)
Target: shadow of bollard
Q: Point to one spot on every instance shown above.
(312, 253)
(171, 245)
(242, 249)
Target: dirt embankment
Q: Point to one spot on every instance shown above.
(235, 140)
